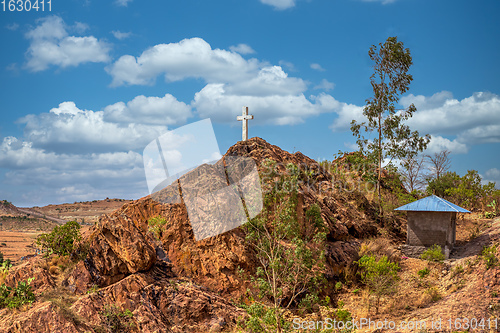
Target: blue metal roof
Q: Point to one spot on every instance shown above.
(432, 203)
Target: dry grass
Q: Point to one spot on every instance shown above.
(380, 247)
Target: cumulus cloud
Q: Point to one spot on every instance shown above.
(279, 4)
(473, 120)
(51, 44)
(166, 110)
(73, 154)
(67, 128)
(454, 124)
(216, 102)
(325, 85)
(492, 175)
(439, 143)
(242, 49)
(189, 58)
(317, 67)
(121, 35)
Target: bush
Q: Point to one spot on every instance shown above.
(156, 225)
(379, 275)
(15, 297)
(60, 241)
(424, 272)
(489, 257)
(1, 257)
(116, 320)
(433, 253)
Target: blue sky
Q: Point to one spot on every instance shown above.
(85, 87)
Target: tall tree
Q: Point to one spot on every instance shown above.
(389, 80)
(440, 163)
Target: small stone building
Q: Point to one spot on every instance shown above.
(432, 220)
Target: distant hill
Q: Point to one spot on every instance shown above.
(45, 218)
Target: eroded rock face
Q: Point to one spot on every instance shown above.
(120, 244)
(32, 268)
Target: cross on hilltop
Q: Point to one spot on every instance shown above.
(244, 118)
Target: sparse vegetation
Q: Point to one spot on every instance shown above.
(424, 272)
(433, 253)
(61, 240)
(290, 256)
(489, 256)
(16, 297)
(381, 276)
(116, 320)
(156, 226)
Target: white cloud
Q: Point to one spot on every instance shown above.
(242, 49)
(438, 144)
(67, 129)
(50, 44)
(279, 4)
(12, 26)
(121, 35)
(325, 85)
(317, 67)
(345, 114)
(80, 27)
(215, 102)
(492, 175)
(473, 120)
(123, 3)
(189, 58)
(165, 110)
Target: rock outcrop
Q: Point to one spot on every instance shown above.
(173, 283)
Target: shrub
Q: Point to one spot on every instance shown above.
(424, 272)
(116, 320)
(379, 275)
(489, 257)
(156, 225)
(60, 241)
(15, 297)
(433, 253)
(1, 257)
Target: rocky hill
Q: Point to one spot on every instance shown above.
(123, 278)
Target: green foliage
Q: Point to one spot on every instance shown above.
(489, 256)
(116, 320)
(15, 297)
(338, 286)
(5, 203)
(424, 272)
(342, 314)
(1, 257)
(390, 79)
(290, 255)
(262, 318)
(60, 241)
(433, 253)
(470, 191)
(381, 276)
(156, 225)
(5, 266)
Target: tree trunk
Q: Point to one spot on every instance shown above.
(381, 211)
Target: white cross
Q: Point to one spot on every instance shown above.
(245, 117)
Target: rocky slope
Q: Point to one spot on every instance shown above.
(174, 283)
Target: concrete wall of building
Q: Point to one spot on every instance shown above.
(428, 228)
